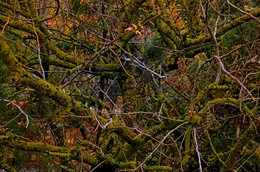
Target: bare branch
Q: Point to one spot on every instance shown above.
(165, 137)
(20, 109)
(229, 74)
(239, 9)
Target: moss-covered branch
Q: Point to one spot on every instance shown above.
(205, 91)
(19, 74)
(213, 148)
(233, 101)
(223, 29)
(11, 141)
(164, 29)
(128, 14)
(244, 139)
(14, 9)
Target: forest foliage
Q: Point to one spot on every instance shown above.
(129, 85)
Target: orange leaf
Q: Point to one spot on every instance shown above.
(180, 23)
(175, 12)
(140, 35)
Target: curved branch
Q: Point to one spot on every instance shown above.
(233, 101)
(234, 23)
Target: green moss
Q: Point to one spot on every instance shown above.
(196, 119)
(188, 141)
(185, 160)
(167, 31)
(233, 101)
(213, 148)
(157, 168)
(205, 91)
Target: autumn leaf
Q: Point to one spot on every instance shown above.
(57, 160)
(140, 36)
(184, 31)
(138, 32)
(82, 2)
(20, 124)
(129, 29)
(50, 23)
(175, 12)
(248, 8)
(21, 103)
(180, 23)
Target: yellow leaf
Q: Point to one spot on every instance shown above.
(135, 27)
(138, 32)
(248, 8)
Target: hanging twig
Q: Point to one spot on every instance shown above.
(197, 147)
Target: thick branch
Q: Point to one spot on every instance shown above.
(11, 142)
(233, 101)
(234, 23)
(19, 74)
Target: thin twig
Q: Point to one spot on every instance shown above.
(98, 166)
(229, 74)
(197, 147)
(248, 158)
(3, 29)
(8, 122)
(39, 50)
(214, 37)
(203, 10)
(120, 63)
(140, 63)
(21, 110)
(242, 10)
(84, 67)
(161, 142)
(114, 104)
(159, 113)
(104, 126)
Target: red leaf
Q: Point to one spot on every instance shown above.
(128, 29)
(50, 23)
(21, 103)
